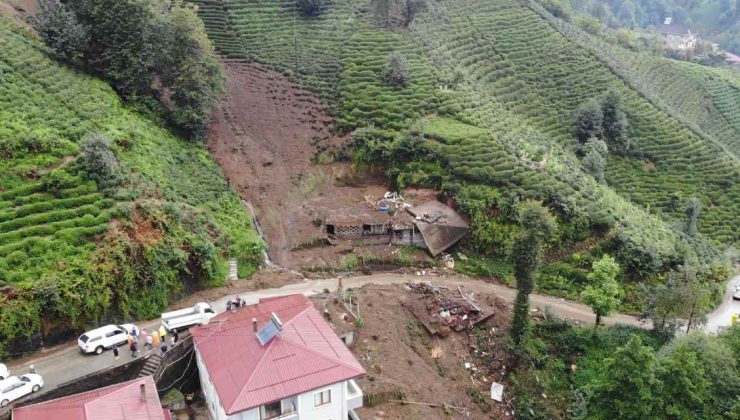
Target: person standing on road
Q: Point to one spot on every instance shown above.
(148, 341)
(115, 352)
(133, 347)
(163, 349)
(176, 336)
(155, 338)
(228, 305)
(162, 333)
(32, 369)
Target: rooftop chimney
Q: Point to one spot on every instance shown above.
(142, 392)
(254, 324)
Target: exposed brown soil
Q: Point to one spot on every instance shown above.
(266, 135)
(273, 140)
(405, 362)
(19, 10)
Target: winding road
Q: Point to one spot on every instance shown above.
(66, 363)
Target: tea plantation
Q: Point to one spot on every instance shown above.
(494, 86)
(76, 252)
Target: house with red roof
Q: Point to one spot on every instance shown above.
(132, 400)
(276, 359)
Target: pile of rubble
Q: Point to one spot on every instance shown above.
(391, 203)
(443, 309)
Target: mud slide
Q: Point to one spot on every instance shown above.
(265, 135)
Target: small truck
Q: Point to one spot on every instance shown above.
(199, 314)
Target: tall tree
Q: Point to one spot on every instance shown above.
(685, 384)
(190, 70)
(628, 386)
(411, 8)
(615, 124)
(693, 209)
(589, 120)
(538, 224)
(125, 43)
(310, 7)
(602, 294)
(59, 28)
(594, 158)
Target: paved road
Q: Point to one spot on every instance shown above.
(722, 316)
(65, 362)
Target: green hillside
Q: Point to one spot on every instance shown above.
(76, 252)
(514, 76)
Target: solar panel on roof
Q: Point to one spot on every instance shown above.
(269, 331)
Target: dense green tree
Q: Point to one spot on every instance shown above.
(602, 293)
(628, 386)
(663, 306)
(190, 70)
(594, 158)
(685, 384)
(537, 225)
(125, 44)
(615, 125)
(693, 209)
(98, 160)
(59, 28)
(410, 9)
(589, 120)
(311, 7)
(396, 71)
(718, 364)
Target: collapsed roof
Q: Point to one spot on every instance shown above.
(440, 225)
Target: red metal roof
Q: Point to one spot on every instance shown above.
(305, 355)
(116, 402)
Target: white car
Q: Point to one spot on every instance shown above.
(102, 338)
(3, 372)
(16, 387)
(736, 295)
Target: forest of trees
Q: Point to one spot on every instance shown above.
(155, 54)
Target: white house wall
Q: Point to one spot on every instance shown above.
(209, 390)
(335, 410)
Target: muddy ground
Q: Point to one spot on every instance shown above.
(267, 135)
(404, 362)
(274, 141)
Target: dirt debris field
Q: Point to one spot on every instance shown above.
(405, 362)
(275, 143)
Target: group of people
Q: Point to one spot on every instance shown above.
(237, 303)
(150, 340)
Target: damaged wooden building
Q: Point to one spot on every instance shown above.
(432, 225)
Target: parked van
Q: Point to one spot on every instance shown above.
(16, 387)
(102, 338)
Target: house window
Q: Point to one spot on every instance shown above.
(270, 411)
(279, 408)
(321, 398)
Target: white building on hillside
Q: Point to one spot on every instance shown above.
(277, 359)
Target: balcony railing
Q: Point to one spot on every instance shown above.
(354, 395)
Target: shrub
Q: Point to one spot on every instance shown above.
(98, 160)
(396, 71)
(311, 7)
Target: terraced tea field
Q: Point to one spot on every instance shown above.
(504, 68)
(45, 112)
